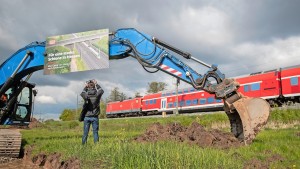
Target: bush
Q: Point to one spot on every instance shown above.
(73, 124)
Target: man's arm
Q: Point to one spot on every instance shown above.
(84, 94)
(100, 91)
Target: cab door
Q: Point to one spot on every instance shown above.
(21, 112)
(24, 105)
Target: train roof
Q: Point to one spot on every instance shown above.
(245, 75)
(290, 67)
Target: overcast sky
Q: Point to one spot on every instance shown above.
(240, 36)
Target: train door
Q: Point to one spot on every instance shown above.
(163, 104)
(270, 88)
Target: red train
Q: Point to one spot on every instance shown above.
(276, 86)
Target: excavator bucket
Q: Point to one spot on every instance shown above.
(248, 116)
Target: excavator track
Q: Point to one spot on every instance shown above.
(10, 142)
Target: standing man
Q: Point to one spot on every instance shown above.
(91, 95)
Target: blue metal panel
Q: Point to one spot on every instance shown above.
(31, 63)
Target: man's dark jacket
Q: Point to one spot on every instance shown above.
(91, 97)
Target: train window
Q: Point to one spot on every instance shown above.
(154, 101)
(170, 105)
(218, 100)
(202, 101)
(175, 104)
(246, 88)
(162, 94)
(188, 102)
(174, 92)
(294, 81)
(181, 103)
(192, 90)
(195, 101)
(180, 92)
(186, 90)
(151, 101)
(255, 86)
(147, 102)
(210, 100)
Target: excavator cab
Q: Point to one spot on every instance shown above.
(15, 113)
(18, 108)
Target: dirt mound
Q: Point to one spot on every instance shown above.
(194, 134)
(51, 161)
(34, 123)
(255, 163)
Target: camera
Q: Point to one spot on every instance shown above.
(91, 83)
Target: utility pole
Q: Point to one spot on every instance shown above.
(77, 115)
(177, 84)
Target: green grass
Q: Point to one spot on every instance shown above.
(285, 115)
(80, 64)
(118, 150)
(102, 44)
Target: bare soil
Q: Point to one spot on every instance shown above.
(258, 164)
(194, 134)
(34, 123)
(40, 161)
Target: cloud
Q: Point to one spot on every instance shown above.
(263, 56)
(129, 92)
(9, 39)
(62, 95)
(45, 99)
(206, 26)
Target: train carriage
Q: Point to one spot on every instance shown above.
(152, 103)
(130, 107)
(261, 84)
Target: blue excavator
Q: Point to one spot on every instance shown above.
(246, 115)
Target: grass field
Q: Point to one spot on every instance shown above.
(118, 150)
